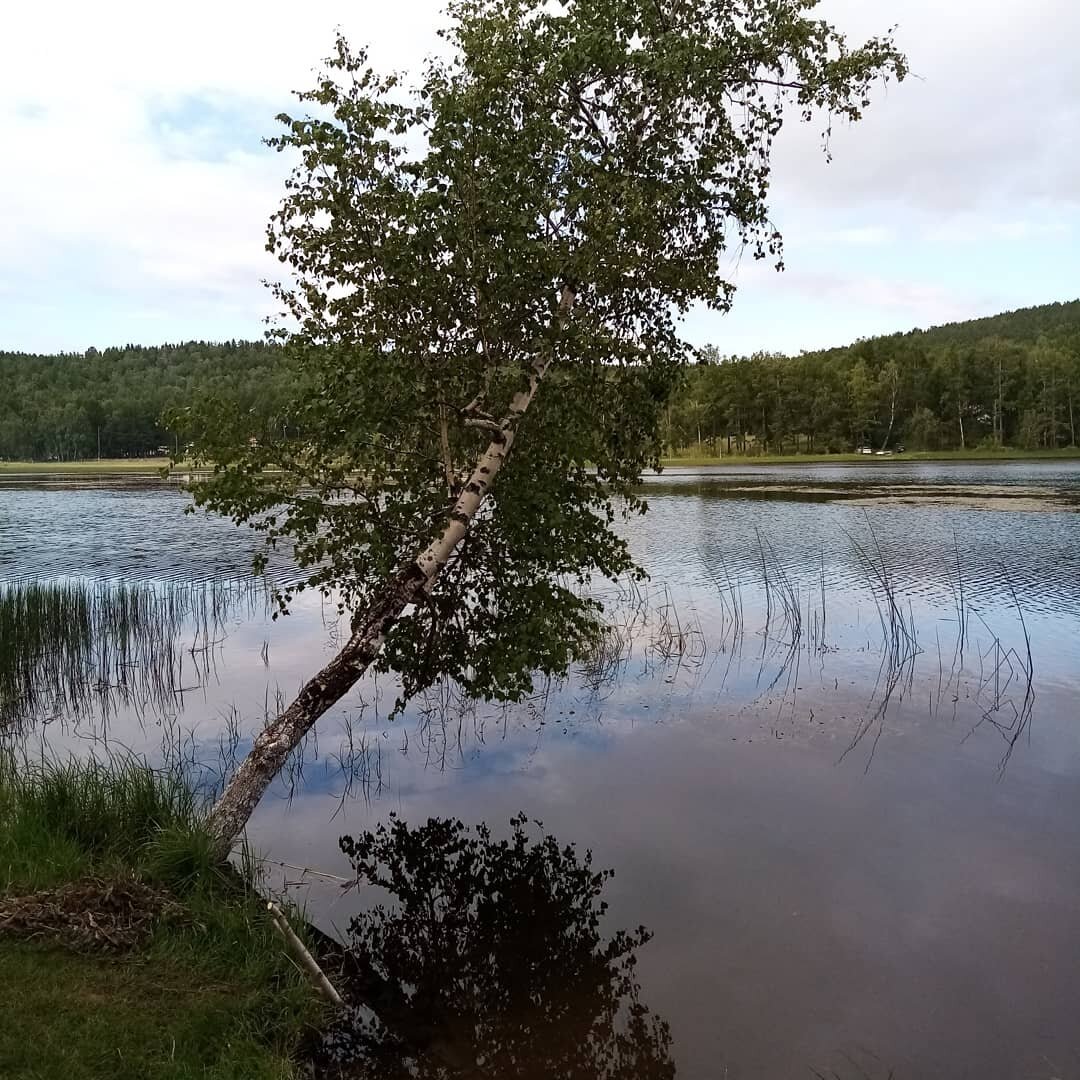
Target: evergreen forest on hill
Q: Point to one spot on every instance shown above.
(1008, 380)
(111, 403)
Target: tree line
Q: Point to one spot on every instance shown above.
(113, 403)
(1009, 380)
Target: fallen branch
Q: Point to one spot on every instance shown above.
(302, 958)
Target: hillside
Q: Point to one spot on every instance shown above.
(1010, 379)
(1025, 325)
(1007, 380)
(110, 403)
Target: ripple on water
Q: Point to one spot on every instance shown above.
(804, 904)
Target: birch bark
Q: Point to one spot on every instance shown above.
(370, 627)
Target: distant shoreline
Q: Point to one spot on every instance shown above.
(155, 466)
(91, 467)
(1071, 453)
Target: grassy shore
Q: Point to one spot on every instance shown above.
(981, 454)
(125, 951)
(148, 466)
(153, 466)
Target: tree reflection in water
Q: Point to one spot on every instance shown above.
(487, 961)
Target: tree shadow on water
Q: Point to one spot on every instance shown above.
(486, 960)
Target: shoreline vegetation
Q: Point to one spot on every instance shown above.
(1009, 380)
(989, 454)
(119, 929)
(137, 468)
(156, 466)
(146, 466)
(129, 949)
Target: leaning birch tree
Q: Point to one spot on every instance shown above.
(487, 271)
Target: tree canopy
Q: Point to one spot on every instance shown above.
(609, 152)
(547, 198)
(116, 401)
(1009, 380)
(111, 402)
(494, 257)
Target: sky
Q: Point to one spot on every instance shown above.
(135, 188)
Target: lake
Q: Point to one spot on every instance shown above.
(832, 747)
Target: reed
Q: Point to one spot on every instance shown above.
(79, 646)
(67, 647)
(899, 629)
(63, 819)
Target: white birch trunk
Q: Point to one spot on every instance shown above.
(303, 959)
(283, 734)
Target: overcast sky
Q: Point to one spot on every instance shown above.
(134, 187)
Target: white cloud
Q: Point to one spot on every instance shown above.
(931, 303)
(865, 236)
(988, 117)
(103, 202)
(134, 185)
(1029, 230)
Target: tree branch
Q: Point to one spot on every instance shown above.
(278, 739)
(483, 424)
(302, 958)
(444, 439)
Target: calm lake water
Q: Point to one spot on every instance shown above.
(833, 749)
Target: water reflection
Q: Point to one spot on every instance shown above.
(483, 958)
(792, 751)
(694, 518)
(797, 658)
(75, 646)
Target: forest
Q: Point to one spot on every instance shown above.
(113, 403)
(1008, 380)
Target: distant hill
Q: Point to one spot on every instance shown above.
(1006, 380)
(1012, 378)
(109, 403)
(1025, 325)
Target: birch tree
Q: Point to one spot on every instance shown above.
(488, 265)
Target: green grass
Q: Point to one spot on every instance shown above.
(979, 454)
(73, 1016)
(105, 465)
(63, 820)
(210, 995)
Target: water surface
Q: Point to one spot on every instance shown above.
(833, 750)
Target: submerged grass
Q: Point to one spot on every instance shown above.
(68, 645)
(207, 993)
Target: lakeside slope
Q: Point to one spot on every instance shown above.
(125, 950)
